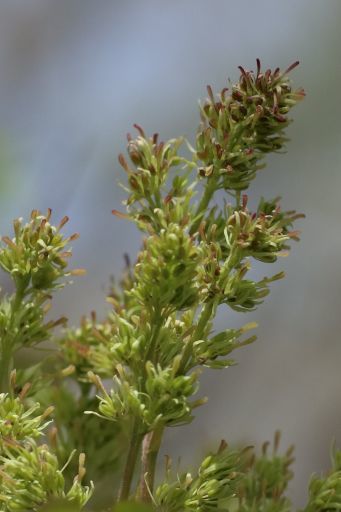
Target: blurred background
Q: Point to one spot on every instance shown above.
(76, 74)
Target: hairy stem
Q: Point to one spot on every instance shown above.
(129, 469)
(150, 449)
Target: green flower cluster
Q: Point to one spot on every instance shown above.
(265, 481)
(164, 401)
(217, 479)
(30, 477)
(87, 347)
(151, 161)
(23, 325)
(30, 474)
(36, 257)
(17, 422)
(325, 492)
(238, 129)
(231, 480)
(166, 271)
(117, 383)
(194, 258)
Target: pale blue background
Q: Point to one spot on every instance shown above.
(76, 74)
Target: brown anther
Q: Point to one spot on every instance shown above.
(223, 93)
(24, 390)
(265, 447)
(42, 225)
(52, 435)
(223, 445)
(277, 438)
(242, 70)
(123, 162)
(258, 67)
(9, 242)
(63, 222)
(210, 93)
(267, 75)
(290, 450)
(202, 230)
(61, 321)
(140, 130)
(291, 67)
(294, 235)
(120, 215)
(219, 150)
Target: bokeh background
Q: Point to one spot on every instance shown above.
(76, 74)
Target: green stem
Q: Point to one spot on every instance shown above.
(6, 367)
(207, 313)
(7, 344)
(205, 316)
(203, 204)
(157, 322)
(150, 450)
(151, 441)
(129, 469)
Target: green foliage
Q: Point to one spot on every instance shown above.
(30, 474)
(240, 128)
(325, 491)
(151, 163)
(76, 431)
(217, 479)
(36, 257)
(31, 477)
(17, 422)
(230, 479)
(265, 481)
(117, 383)
(166, 270)
(88, 347)
(36, 260)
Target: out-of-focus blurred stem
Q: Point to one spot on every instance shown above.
(5, 364)
(150, 450)
(129, 469)
(7, 348)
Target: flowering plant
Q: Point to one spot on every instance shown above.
(117, 383)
